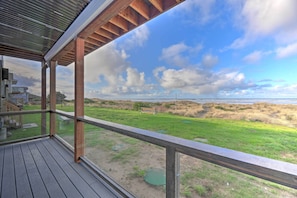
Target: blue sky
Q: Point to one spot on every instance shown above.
(216, 49)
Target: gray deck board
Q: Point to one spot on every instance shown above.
(62, 179)
(8, 185)
(36, 182)
(21, 177)
(92, 181)
(44, 168)
(53, 188)
(1, 167)
(79, 183)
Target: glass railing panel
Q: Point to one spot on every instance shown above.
(137, 166)
(65, 128)
(203, 179)
(16, 127)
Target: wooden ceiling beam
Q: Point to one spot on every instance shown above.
(94, 42)
(19, 53)
(120, 22)
(66, 49)
(112, 28)
(157, 4)
(105, 34)
(154, 12)
(99, 38)
(90, 45)
(71, 52)
(130, 15)
(112, 10)
(118, 18)
(141, 7)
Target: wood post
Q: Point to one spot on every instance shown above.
(172, 173)
(53, 66)
(43, 98)
(79, 99)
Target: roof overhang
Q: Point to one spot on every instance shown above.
(93, 9)
(28, 29)
(45, 32)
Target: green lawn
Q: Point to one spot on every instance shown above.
(273, 141)
(28, 118)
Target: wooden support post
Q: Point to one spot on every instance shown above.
(43, 98)
(79, 99)
(53, 66)
(172, 173)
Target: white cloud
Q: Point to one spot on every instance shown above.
(199, 10)
(136, 38)
(283, 91)
(178, 54)
(266, 16)
(253, 57)
(197, 81)
(209, 60)
(28, 73)
(107, 62)
(107, 72)
(172, 54)
(260, 18)
(286, 51)
(134, 77)
(65, 80)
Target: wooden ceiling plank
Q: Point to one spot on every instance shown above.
(130, 15)
(99, 38)
(105, 34)
(120, 17)
(120, 22)
(19, 53)
(93, 41)
(141, 7)
(157, 4)
(112, 29)
(167, 4)
(89, 45)
(154, 12)
(116, 7)
(89, 41)
(66, 49)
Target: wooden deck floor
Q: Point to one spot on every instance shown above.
(44, 168)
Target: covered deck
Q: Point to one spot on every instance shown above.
(58, 35)
(45, 168)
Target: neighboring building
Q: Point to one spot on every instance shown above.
(19, 95)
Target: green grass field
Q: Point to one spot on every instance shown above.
(273, 141)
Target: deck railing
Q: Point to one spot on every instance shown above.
(280, 172)
(34, 116)
(14, 121)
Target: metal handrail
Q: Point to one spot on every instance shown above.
(23, 112)
(269, 169)
(280, 172)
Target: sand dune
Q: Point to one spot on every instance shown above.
(259, 112)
